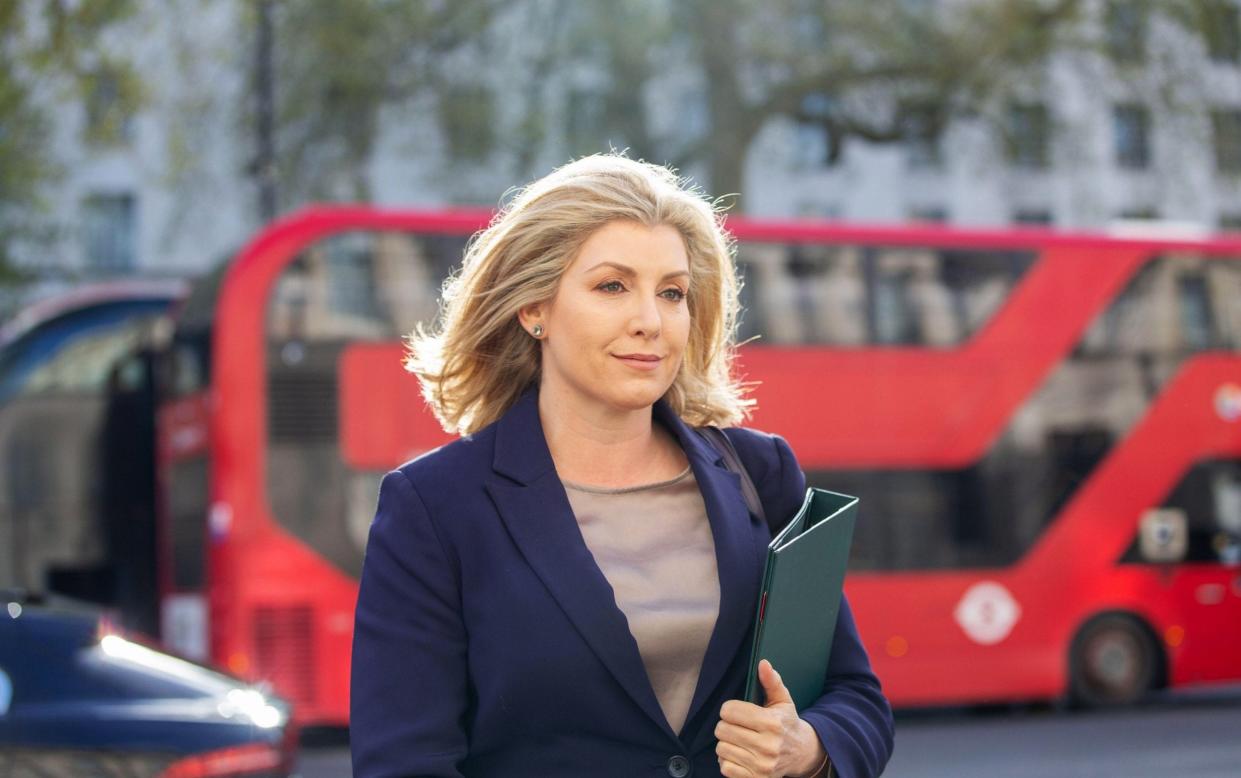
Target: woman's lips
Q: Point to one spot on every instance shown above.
(639, 362)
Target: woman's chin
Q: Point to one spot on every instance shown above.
(634, 398)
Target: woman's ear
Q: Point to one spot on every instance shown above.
(530, 316)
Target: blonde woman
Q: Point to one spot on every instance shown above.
(568, 589)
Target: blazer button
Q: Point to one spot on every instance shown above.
(678, 767)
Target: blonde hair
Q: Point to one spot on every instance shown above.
(478, 360)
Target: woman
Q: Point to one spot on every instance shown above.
(568, 590)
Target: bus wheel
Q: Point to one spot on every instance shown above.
(1113, 662)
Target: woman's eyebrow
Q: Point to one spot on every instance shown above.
(631, 272)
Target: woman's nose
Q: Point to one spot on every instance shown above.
(645, 320)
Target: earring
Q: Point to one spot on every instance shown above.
(537, 331)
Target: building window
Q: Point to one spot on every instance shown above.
(1226, 131)
(109, 231)
(1230, 222)
(1126, 30)
(1222, 28)
(110, 97)
(920, 126)
(1029, 129)
(1033, 216)
(1139, 214)
(1131, 127)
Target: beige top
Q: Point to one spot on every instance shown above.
(654, 545)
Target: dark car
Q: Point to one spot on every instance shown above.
(78, 699)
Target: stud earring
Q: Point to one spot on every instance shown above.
(537, 331)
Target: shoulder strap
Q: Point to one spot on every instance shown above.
(720, 442)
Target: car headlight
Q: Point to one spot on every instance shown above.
(254, 706)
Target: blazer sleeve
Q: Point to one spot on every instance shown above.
(852, 717)
(408, 692)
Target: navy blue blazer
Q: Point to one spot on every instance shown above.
(488, 643)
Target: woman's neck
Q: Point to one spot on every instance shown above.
(607, 447)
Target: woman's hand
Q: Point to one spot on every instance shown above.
(760, 742)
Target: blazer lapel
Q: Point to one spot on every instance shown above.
(532, 503)
(740, 554)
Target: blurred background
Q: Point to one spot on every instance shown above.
(992, 263)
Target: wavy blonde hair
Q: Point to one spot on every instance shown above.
(478, 359)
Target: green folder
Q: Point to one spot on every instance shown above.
(800, 597)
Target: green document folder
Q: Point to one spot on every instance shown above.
(800, 597)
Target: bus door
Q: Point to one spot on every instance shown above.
(1204, 511)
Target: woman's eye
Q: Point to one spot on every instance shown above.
(611, 286)
(674, 294)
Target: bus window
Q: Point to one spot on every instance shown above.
(1197, 327)
(1224, 283)
(74, 353)
(1210, 496)
(893, 320)
(1125, 327)
(991, 512)
(1175, 305)
(349, 288)
(912, 305)
(767, 294)
(1226, 491)
(930, 519)
(848, 296)
(841, 312)
(980, 282)
(57, 381)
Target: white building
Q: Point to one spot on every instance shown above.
(1089, 143)
(1148, 126)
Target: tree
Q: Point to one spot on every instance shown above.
(581, 76)
(338, 65)
(853, 66)
(51, 50)
(860, 69)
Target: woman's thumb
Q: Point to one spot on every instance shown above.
(773, 685)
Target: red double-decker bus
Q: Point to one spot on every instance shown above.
(1044, 430)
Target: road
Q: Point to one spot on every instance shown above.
(1190, 735)
(1197, 735)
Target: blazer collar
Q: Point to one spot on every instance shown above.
(521, 449)
(740, 555)
(532, 503)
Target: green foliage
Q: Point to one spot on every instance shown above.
(339, 64)
(849, 65)
(467, 118)
(853, 64)
(624, 41)
(50, 50)
(111, 92)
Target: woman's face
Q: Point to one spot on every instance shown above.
(615, 332)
